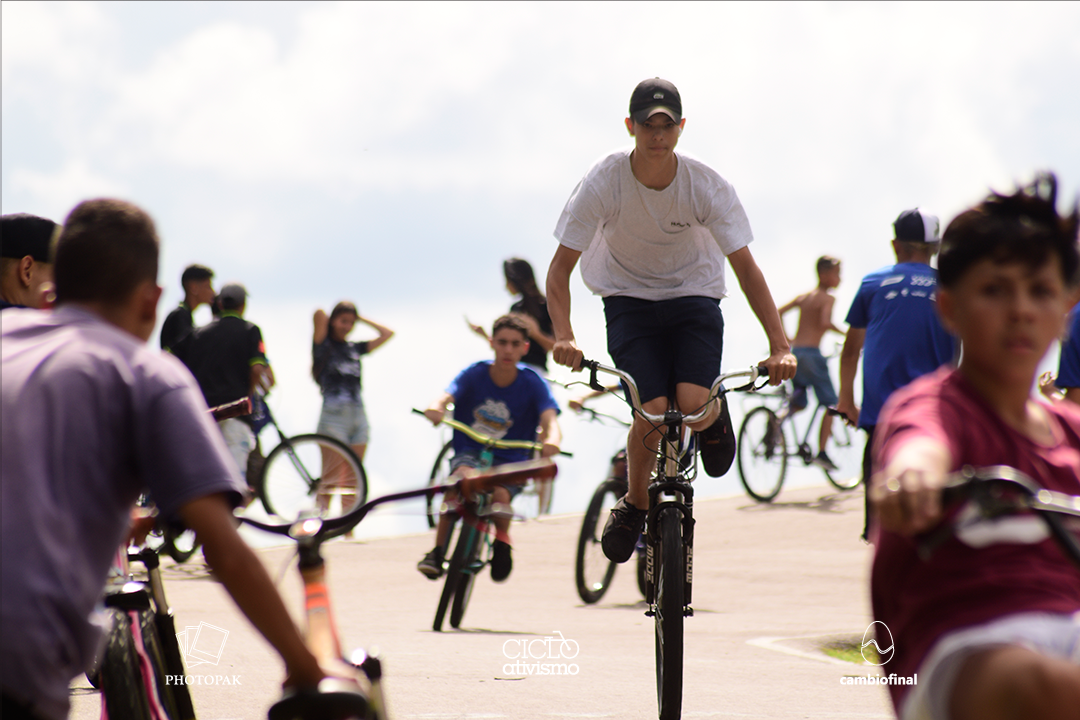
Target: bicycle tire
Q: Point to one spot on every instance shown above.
(465, 584)
(120, 677)
(668, 615)
(762, 454)
(593, 571)
(293, 472)
(173, 658)
(151, 641)
(179, 546)
(440, 471)
(846, 452)
(453, 574)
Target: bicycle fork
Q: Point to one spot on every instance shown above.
(668, 482)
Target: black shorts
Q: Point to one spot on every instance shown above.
(661, 343)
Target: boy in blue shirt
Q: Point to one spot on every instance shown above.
(893, 322)
(505, 400)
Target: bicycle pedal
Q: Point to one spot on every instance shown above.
(650, 613)
(688, 611)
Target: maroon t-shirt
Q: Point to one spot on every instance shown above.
(1016, 567)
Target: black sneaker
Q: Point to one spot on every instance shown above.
(622, 530)
(431, 565)
(718, 444)
(825, 462)
(501, 561)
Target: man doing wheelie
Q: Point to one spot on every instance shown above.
(654, 230)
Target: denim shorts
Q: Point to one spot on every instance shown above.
(662, 343)
(345, 421)
(813, 372)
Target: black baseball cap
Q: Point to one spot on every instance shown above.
(24, 234)
(653, 96)
(917, 225)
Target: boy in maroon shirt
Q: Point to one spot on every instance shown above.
(991, 622)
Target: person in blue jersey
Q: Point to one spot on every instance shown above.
(504, 399)
(893, 322)
(1068, 378)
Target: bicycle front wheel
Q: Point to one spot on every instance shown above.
(454, 572)
(440, 472)
(668, 616)
(309, 473)
(762, 454)
(593, 571)
(845, 449)
(466, 582)
(126, 697)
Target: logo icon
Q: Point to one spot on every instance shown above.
(203, 644)
(878, 635)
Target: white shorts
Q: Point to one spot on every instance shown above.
(1045, 633)
(240, 440)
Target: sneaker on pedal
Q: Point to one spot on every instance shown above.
(501, 561)
(431, 565)
(717, 444)
(622, 530)
(823, 461)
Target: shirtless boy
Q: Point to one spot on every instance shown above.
(815, 319)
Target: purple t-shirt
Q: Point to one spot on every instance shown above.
(91, 418)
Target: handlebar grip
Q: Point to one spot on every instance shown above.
(231, 410)
(762, 371)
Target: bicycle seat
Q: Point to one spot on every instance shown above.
(336, 699)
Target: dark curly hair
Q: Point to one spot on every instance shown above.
(1024, 227)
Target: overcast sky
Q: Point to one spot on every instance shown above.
(394, 154)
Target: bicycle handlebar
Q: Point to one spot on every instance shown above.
(473, 481)
(634, 398)
(231, 410)
(985, 487)
(490, 441)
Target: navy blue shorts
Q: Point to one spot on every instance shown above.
(665, 342)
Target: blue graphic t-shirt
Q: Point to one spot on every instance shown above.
(897, 305)
(505, 413)
(1069, 369)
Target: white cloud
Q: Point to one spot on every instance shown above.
(57, 193)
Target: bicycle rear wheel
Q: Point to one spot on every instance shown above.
(440, 472)
(846, 451)
(593, 571)
(762, 454)
(668, 616)
(303, 472)
(453, 572)
(469, 570)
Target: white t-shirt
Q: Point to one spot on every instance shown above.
(653, 244)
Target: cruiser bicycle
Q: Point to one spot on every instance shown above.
(764, 448)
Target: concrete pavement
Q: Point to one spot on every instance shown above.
(771, 584)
